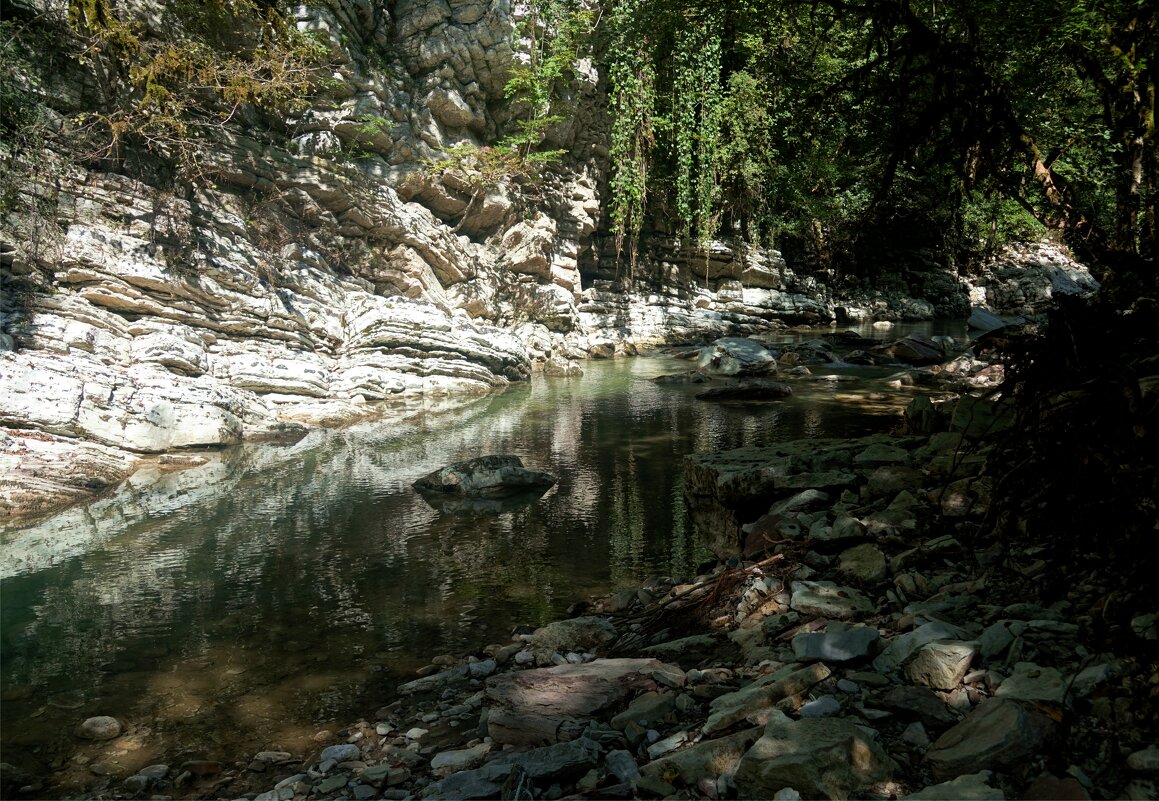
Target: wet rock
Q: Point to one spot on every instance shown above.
(490, 476)
(971, 787)
(747, 391)
(836, 644)
(733, 356)
(821, 758)
(827, 599)
(941, 664)
(101, 727)
(545, 705)
(999, 733)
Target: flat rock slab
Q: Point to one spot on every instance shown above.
(486, 476)
(710, 758)
(920, 703)
(836, 646)
(819, 758)
(558, 761)
(971, 787)
(903, 647)
(754, 702)
(532, 707)
(577, 634)
(747, 391)
(1029, 682)
(827, 599)
(998, 734)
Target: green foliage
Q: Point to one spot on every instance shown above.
(632, 97)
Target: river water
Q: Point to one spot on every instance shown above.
(281, 590)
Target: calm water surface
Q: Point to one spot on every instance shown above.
(280, 590)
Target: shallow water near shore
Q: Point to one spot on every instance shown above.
(280, 590)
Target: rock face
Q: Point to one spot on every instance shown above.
(487, 476)
(317, 277)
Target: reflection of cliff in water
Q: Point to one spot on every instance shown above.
(281, 581)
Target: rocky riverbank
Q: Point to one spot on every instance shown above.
(860, 638)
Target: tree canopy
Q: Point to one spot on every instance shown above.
(850, 126)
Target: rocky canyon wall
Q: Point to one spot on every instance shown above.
(325, 268)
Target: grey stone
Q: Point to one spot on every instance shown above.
(827, 599)
(1145, 761)
(710, 757)
(918, 702)
(674, 650)
(970, 787)
(995, 639)
(731, 356)
(845, 645)
(490, 476)
(904, 646)
(667, 744)
(363, 792)
(157, 772)
(999, 733)
(332, 783)
(447, 762)
(879, 453)
(864, 563)
(984, 320)
(578, 632)
(754, 701)
(482, 669)
(824, 707)
(648, 709)
(100, 727)
(915, 735)
(622, 765)
(941, 664)
(1029, 682)
(819, 758)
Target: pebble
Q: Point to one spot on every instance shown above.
(848, 687)
(339, 753)
(416, 733)
(524, 658)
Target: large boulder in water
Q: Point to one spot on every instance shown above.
(736, 356)
(486, 476)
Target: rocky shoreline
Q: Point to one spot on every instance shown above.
(858, 638)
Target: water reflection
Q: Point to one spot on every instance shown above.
(278, 589)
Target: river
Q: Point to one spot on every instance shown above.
(281, 590)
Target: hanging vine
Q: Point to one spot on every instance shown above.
(633, 99)
(697, 101)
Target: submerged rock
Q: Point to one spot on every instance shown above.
(486, 476)
(747, 390)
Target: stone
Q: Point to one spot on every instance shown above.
(490, 476)
(101, 727)
(819, 758)
(1145, 760)
(901, 648)
(863, 563)
(915, 735)
(983, 320)
(995, 639)
(686, 648)
(707, 758)
(879, 454)
(532, 707)
(1029, 682)
(583, 633)
(648, 709)
(667, 744)
(747, 391)
(824, 707)
(941, 664)
(331, 784)
(844, 645)
(998, 734)
(622, 765)
(561, 761)
(918, 702)
(970, 787)
(447, 762)
(732, 356)
(754, 702)
(827, 599)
